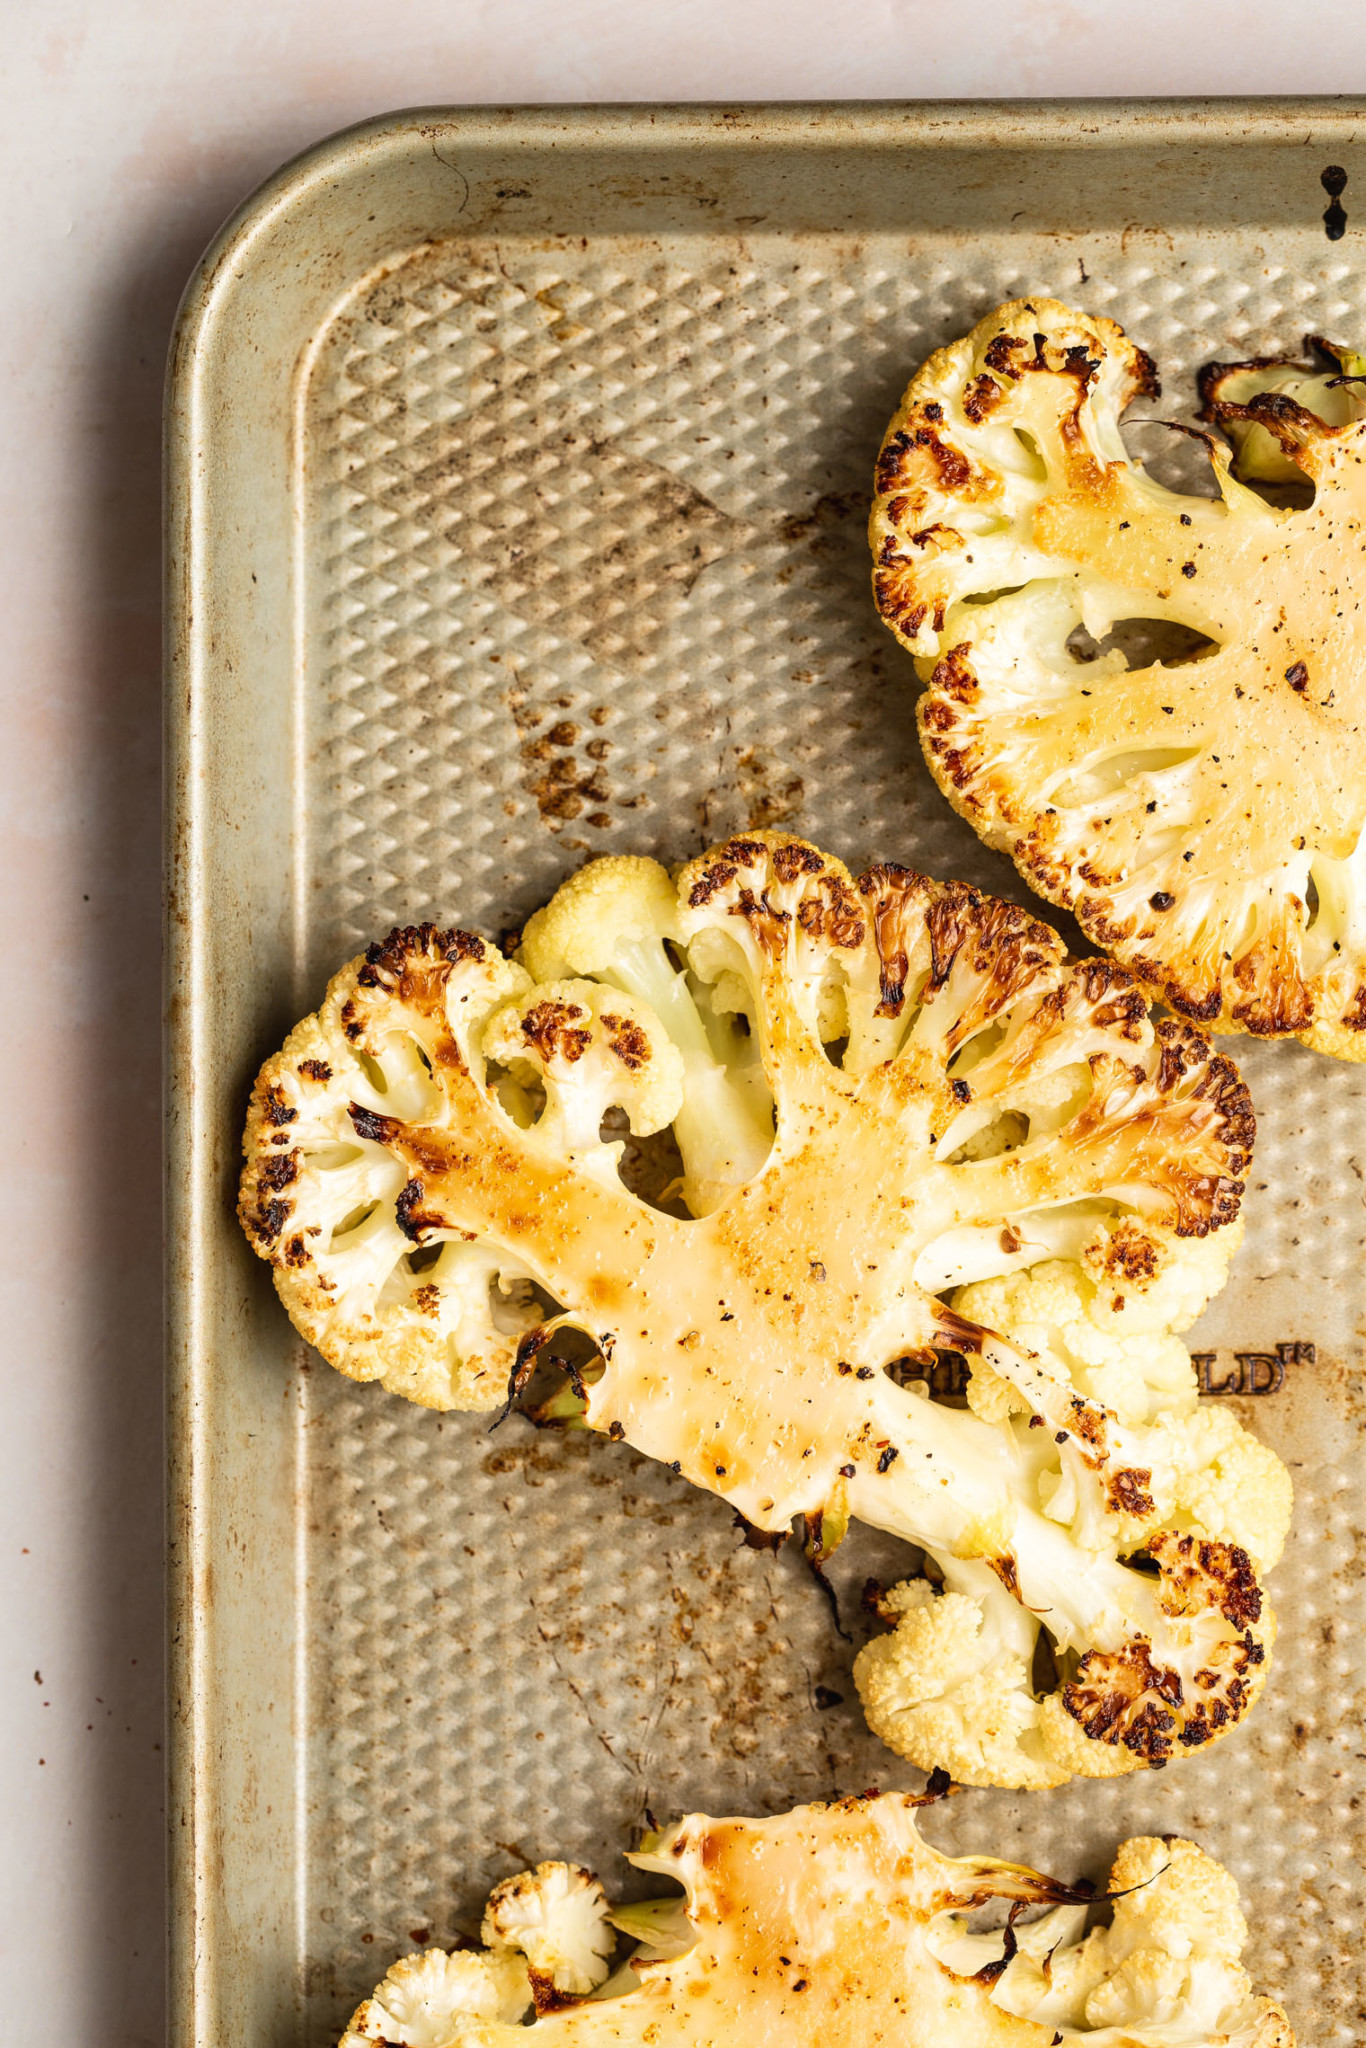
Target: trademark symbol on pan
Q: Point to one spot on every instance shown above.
(1254, 1372)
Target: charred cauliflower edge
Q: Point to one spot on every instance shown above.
(887, 1095)
(839, 1927)
(1205, 820)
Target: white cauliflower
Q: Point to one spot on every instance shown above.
(1205, 1473)
(616, 919)
(988, 1115)
(953, 1682)
(840, 1927)
(426, 1999)
(591, 1049)
(557, 1916)
(330, 1204)
(1203, 816)
(1167, 1970)
(547, 1938)
(1114, 1333)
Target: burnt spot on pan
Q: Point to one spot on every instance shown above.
(753, 790)
(652, 534)
(564, 760)
(1334, 182)
(557, 776)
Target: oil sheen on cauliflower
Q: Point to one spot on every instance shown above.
(1203, 814)
(840, 1927)
(882, 1092)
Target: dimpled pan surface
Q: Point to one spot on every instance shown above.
(518, 474)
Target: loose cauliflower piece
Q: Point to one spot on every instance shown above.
(993, 1108)
(427, 1999)
(841, 1927)
(1203, 818)
(557, 1916)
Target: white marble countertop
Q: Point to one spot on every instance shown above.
(131, 128)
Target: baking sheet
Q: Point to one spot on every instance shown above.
(518, 467)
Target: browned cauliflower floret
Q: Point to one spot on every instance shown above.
(328, 1202)
(556, 1916)
(427, 2000)
(1203, 817)
(841, 1927)
(943, 1099)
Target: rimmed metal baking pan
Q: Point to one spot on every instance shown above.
(517, 475)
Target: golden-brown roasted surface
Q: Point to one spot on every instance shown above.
(1202, 815)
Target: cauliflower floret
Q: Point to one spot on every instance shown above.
(1056, 1309)
(950, 1689)
(615, 920)
(747, 1347)
(739, 954)
(1166, 1970)
(1228, 1485)
(620, 907)
(592, 1049)
(1108, 1316)
(1146, 1277)
(1204, 1471)
(1201, 810)
(557, 1916)
(426, 1999)
(327, 1201)
(1042, 1104)
(825, 1927)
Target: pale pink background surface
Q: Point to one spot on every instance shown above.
(130, 128)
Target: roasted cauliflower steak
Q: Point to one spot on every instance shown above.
(839, 1926)
(947, 1100)
(1202, 816)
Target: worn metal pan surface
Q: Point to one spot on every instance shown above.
(518, 467)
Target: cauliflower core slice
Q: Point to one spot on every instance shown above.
(995, 1106)
(841, 1927)
(1203, 819)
